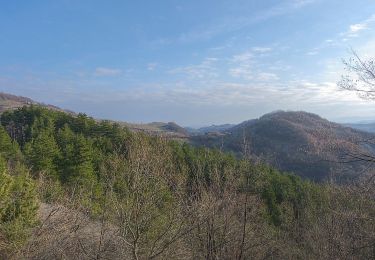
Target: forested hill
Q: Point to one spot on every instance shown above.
(299, 142)
(11, 102)
(76, 188)
(170, 129)
(367, 127)
(8, 101)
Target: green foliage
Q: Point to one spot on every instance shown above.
(50, 190)
(289, 198)
(18, 205)
(150, 187)
(8, 149)
(42, 153)
(18, 197)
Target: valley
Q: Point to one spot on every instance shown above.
(298, 142)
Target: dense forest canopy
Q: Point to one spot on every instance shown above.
(140, 197)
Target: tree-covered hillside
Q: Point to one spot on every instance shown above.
(75, 188)
(298, 142)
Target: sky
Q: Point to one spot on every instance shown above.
(196, 62)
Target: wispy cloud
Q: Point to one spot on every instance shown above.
(312, 53)
(343, 38)
(155, 99)
(355, 29)
(243, 57)
(204, 70)
(301, 92)
(241, 72)
(261, 49)
(152, 66)
(300, 3)
(246, 66)
(105, 72)
(267, 76)
(242, 65)
(231, 24)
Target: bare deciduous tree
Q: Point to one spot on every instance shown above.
(360, 77)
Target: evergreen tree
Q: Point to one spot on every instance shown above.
(83, 161)
(18, 204)
(8, 148)
(66, 141)
(42, 153)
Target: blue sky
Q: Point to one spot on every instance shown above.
(192, 62)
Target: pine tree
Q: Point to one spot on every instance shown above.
(42, 153)
(18, 204)
(83, 154)
(8, 149)
(66, 141)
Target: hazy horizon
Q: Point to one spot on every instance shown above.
(354, 120)
(195, 63)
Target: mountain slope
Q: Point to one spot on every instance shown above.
(170, 129)
(212, 128)
(300, 142)
(367, 127)
(10, 102)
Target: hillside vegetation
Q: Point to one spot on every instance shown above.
(8, 101)
(75, 188)
(298, 142)
(170, 129)
(366, 127)
(12, 102)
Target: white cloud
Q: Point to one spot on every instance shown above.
(241, 72)
(242, 65)
(312, 53)
(354, 28)
(342, 39)
(301, 3)
(266, 76)
(105, 72)
(233, 23)
(261, 49)
(205, 70)
(367, 50)
(279, 66)
(239, 98)
(243, 57)
(291, 95)
(246, 66)
(152, 66)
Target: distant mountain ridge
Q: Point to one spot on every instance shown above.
(300, 142)
(170, 129)
(295, 141)
(367, 127)
(208, 129)
(9, 101)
